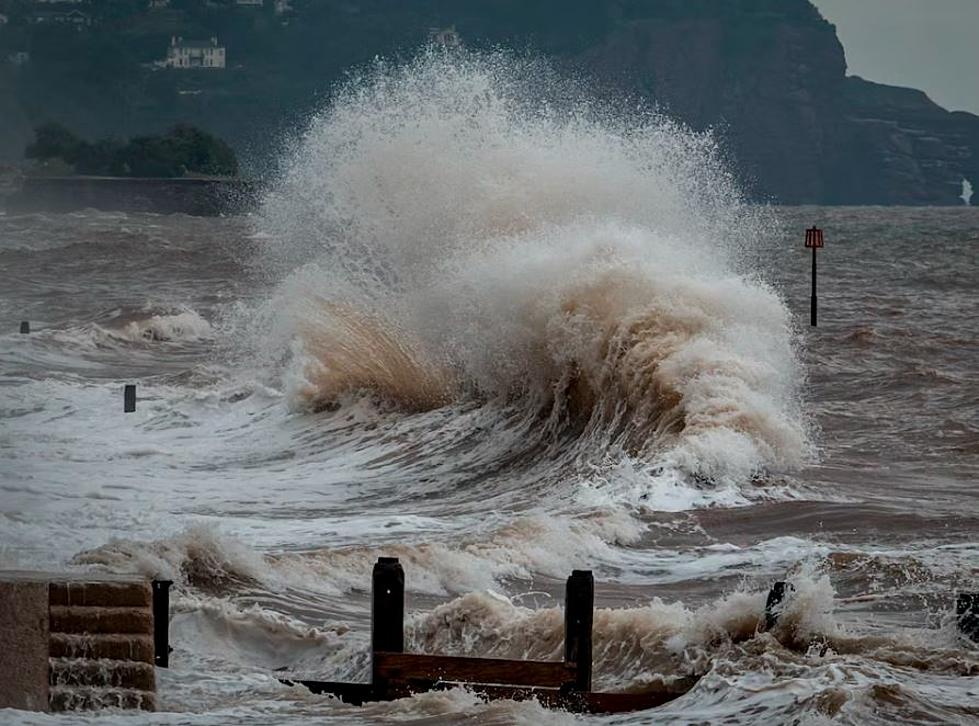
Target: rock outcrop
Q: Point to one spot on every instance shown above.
(896, 146)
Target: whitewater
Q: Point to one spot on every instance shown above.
(500, 330)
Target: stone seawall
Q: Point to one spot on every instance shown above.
(201, 197)
(74, 643)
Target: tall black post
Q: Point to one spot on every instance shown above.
(129, 398)
(776, 596)
(161, 622)
(579, 604)
(812, 302)
(387, 609)
(25, 327)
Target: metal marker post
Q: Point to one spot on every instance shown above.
(814, 240)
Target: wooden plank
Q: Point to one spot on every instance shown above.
(359, 693)
(355, 694)
(413, 666)
(577, 702)
(627, 702)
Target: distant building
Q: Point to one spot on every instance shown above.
(186, 54)
(445, 36)
(55, 17)
(253, 3)
(19, 58)
(158, 4)
(3, 20)
(282, 7)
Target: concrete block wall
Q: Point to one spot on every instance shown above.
(75, 643)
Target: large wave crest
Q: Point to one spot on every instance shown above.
(468, 226)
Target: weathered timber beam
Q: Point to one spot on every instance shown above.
(414, 666)
(355, 694)
(578, 702)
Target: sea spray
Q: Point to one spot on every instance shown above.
(444, 235)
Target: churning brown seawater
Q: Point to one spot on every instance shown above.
(502, 345)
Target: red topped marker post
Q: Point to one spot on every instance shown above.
(814, 240)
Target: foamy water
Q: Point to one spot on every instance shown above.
(492, 329)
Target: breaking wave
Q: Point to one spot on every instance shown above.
(444, 235)
(143, 326)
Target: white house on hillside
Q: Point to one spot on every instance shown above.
(445, 36)
(186, 54)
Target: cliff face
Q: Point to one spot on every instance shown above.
(767, 80)
(769, 76)
(895, 146)
(771, 80)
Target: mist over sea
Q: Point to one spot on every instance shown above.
(501, 332)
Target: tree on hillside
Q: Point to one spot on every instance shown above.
(54, 141)
(181, 151)
(202, 152)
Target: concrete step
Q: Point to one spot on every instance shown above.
(102, 594)
(111, 645)
(76, 641)
(98, 620)
(102, 673)
(73, 698)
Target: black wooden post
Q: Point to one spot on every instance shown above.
(967, 610)
(775, 598)
(579, 604)
(25, 327)
(387, 609)
(161, 622)
(129, 398)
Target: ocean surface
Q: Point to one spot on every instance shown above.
(502, 339)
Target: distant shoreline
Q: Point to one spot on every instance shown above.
(199, 196)
(196, 196)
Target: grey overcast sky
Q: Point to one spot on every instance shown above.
(926, 44)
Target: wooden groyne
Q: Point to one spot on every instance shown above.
(73, 642)
(558, 684)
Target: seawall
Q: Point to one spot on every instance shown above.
(196, 196)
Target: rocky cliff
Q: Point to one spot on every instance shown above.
(769, 76)
(896, 146)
